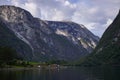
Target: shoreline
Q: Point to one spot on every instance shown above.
(34, 68)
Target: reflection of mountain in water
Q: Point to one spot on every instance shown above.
(73, 73)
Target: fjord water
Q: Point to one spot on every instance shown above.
(72, 73)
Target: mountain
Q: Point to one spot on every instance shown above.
(47, 40)
(107, 51)
(9, 39)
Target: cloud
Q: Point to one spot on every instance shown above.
(96, 15)
(27, 5)
(109, 21)
(32, 7)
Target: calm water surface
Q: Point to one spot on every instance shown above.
(71, 73)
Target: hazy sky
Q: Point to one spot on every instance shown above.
(96, 15)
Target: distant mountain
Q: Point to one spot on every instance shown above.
(107, 51)
(47, 40)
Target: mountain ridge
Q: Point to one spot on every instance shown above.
(49, 40)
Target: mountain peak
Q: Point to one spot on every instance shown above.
(14, 14)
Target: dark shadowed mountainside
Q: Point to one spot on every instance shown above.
(107, 51)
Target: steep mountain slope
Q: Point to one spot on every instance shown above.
(108, 50)
(47, 39)
(8, 39)
(76, 33)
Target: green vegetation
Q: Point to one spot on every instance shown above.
(7, 56)
(60, 62)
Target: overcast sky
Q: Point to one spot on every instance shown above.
(96, 15)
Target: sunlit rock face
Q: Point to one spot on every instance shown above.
(49, 39)
(76, 33)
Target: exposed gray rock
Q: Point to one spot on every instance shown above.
(76, 33)
(49, 39)
(9, 39)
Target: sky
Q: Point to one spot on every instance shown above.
(96, 15)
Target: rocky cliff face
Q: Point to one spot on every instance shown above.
(48, 39)
(108, 50)
(76, 33)
(9, 39)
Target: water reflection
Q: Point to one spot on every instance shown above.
(71, 73)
